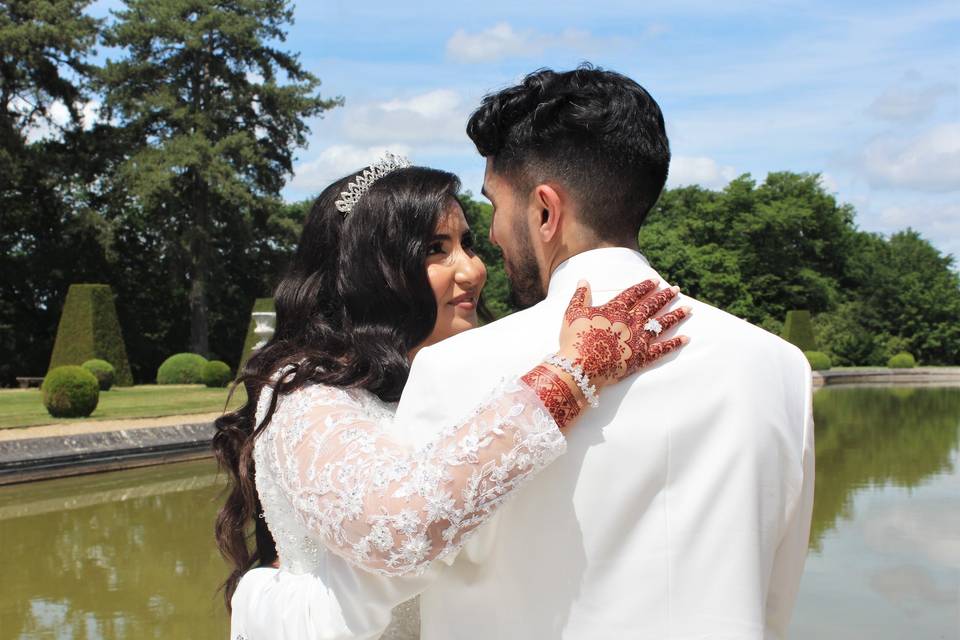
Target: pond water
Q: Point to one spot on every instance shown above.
(128, 555)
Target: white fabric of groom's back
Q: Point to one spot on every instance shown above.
(681, 508)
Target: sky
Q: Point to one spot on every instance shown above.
(867, 94)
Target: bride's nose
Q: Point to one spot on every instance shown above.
(470, 271)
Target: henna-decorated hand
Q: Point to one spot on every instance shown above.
(616, 339)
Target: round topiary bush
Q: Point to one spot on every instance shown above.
(902, 360)
(70, 392)
(182, 368)
(216, 374)
(103, 371)
(819, 361)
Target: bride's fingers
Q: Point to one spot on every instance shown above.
(631, 296)
(579, 303)
(656, 326)
(659, 349)
(653, 303)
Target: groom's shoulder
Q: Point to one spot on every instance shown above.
(742, 343)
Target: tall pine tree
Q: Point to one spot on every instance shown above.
(212, 111)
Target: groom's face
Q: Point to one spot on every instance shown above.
(510, 230)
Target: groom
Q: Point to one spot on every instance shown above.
(682, 506)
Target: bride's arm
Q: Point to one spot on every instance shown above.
(392, 509)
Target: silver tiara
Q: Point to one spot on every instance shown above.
(371, 174)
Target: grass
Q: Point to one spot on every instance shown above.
(24, 407)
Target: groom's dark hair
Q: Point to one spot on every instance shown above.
(597, 133)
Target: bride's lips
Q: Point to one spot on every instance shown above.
(466, 301)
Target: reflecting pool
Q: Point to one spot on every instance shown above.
(129, 555)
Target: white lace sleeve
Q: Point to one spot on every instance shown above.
(393, 509)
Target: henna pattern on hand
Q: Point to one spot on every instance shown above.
(554, 393)
(611, 340)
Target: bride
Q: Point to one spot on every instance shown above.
(385, 267)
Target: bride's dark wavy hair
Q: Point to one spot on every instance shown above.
(354, 302)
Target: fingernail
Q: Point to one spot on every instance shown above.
(581, 284)
(684, 339)
(687, 310)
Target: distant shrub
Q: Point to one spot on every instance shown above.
(103, 371)
(216, 374)
(798, 330)
(818, 360)
(70, 392)
(89, 329)
(182, 368)
(902, 360)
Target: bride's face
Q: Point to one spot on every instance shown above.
(456, 274)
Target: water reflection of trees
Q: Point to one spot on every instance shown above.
(136, 567)
(878, 436)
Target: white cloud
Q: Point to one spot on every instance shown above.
(909, 100)
(499, 41)
(59, 117)
(336, 161)
(929, 162)
(502, 41)
(438, 116)
(690, 170)
(829, 183)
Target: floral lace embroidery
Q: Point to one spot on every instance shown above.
(330, 475)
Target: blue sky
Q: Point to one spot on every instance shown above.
(865, 93)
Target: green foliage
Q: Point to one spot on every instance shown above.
(259, 305)
(48, 239)
(819, 361)
(798, 330)
(182, 368)
(70, 392)
(759, 251)
(89, 329)
(902, 361)
(216, 373)
(213, 111)
(103, 371)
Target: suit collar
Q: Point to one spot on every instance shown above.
(610, 268)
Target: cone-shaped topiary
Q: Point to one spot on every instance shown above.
(70, 392)
(182, 368)
(902, 360)
(103, 371)
(818, 360)
(798, 330)
(216, 373)
(260, 304)
(89, 329)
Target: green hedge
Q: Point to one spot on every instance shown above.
(103, 371)
(902, 360)
(798, 330)
(260, 304)
(216, 373)
(182, 368)
(70, 392)
(89, 329)
(818, 360)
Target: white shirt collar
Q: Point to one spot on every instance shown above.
(605, 269)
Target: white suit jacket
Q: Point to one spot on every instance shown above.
(682, 507)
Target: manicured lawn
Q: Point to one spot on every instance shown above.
(24, 407)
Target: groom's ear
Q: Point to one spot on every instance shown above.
(549, 201)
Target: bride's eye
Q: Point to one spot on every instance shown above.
(467, 241)
(436, 248)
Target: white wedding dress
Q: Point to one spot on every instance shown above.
(340, 487)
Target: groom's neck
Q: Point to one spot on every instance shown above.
(574, 246)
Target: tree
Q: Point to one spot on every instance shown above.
(47, 236)
(212, 113)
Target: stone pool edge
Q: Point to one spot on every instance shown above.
(28, 459)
